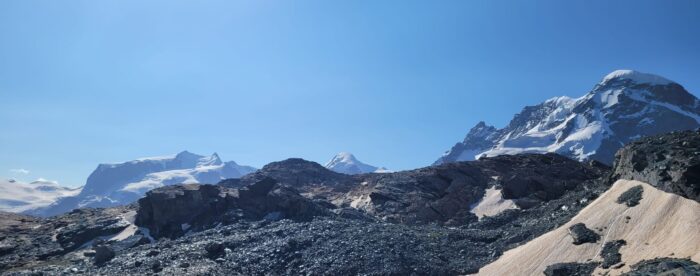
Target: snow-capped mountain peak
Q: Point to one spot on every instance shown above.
(122, 183)
(636, 77)
(624, 106)
(345, 162)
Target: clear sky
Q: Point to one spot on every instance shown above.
(394, 82)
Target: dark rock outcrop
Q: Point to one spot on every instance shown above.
(539, 177)
(670, 162)
(74, 235)
(103, 253)
(631, 197)
(168, 211)
(611, 253)
(294, 172)
(172, 210)
(570, 269)
(581, 234)
(664, 266)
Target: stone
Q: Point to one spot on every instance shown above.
(581, 234)
(215, 249)
(103, 253)
(631, 197)
(611, 253)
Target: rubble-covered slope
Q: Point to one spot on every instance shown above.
(650, 212)
(661, 225)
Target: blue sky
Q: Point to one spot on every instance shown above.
(395, 82)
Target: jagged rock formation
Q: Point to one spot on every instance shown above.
(624, 106)
(173, 210)
(669, 162)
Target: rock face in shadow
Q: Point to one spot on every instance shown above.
(171, 211)
(670, 162)
(539, 177)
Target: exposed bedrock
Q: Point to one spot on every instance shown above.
(171, 211)
(670, 162)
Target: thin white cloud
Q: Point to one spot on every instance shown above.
(19, 171)
(46, 181)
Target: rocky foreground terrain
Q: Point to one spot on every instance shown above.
(296, 217)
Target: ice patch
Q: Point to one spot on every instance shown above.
(492, 204)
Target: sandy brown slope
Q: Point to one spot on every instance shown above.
(662, 225)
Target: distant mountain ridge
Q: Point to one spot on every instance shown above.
(123, 183)
(624, 106)
(347, 163)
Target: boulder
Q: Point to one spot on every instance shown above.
(103, 253)
(631, 197)
(581, 234)
(611, 253)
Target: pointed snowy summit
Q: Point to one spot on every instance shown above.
(345, 162)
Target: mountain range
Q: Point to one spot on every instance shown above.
(524, 214)
(123, 183)
(624, 106)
